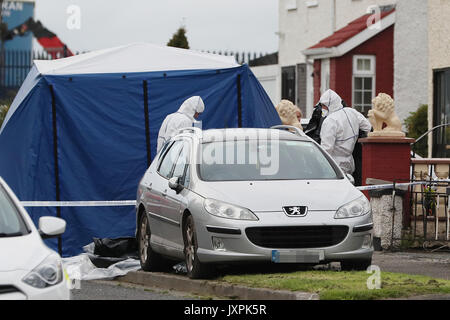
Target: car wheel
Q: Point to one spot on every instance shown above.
(195, 269)
(356, 265)
(150, 260)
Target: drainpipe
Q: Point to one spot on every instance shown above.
(333, 16)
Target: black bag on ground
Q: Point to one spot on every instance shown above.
(116, 248)
(110, 251)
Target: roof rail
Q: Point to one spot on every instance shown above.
(193, 130)
(295, 129)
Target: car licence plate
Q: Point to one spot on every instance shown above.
(297, 256)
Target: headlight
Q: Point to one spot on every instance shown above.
(356, 208)
(46, 274)
(229, 211)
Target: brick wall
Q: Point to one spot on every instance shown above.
(341, 68)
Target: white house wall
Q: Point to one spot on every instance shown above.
(410, 56)
(270, 79)
(304, 26)
(301, 27)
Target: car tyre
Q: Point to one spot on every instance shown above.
(356, 265)
(150, 260)
(195, 268)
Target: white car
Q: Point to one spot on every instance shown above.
(29, 270)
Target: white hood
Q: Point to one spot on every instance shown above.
(191, 106)
(332, 100)
(183, 118)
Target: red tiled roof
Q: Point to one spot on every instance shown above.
(349, 31)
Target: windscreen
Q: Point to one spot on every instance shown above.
(11, 223)
(257, 160)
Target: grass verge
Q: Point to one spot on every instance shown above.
(333, 285)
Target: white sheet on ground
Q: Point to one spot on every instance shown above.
(81, 268)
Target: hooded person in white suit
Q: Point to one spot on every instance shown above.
(183, 118)
(340, 130)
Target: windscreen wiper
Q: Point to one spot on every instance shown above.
(10, 235)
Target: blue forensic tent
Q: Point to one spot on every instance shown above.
(84, 128)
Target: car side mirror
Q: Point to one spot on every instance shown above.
(350, 178)
(174, 184)
(51, 227)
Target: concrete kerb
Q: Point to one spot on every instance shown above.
(210, 287)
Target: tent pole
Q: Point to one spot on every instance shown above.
(55, 155)
(239, 96)
(147, 124)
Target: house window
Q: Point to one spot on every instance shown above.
(291, 5)
(288, 83)
(441, 113)
(363, 83)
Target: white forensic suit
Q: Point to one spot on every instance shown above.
(340, 130)
(183, 118)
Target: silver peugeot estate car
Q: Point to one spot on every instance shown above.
(249, 195)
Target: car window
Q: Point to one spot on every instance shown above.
(11, 223)
(187, 176)
(165, 146)
(166, 166)
(256, 160)
(182, 162)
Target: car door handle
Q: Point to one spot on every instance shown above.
(164, 193)
(149, 187)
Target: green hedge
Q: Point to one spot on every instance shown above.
(417, 125)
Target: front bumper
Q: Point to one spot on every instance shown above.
(59, 291)
(357, 245)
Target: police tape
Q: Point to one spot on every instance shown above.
(120, 203)
(127, 203)
(389, 186)
(399, 185)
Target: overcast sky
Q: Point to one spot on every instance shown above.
(244, 25)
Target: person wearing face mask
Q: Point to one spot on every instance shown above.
(340, 130)
(183, 118)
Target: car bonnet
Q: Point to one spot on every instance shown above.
(272, 196)
(22, 253)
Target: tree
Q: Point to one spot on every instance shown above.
(179, 39)
(3, 112)
(417, 125)
(3, 27)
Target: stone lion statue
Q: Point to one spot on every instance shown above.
(383, 118)
(289, 113)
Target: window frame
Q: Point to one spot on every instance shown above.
(363, 74)
(186, 143)
(164, 157)
(289, 83)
